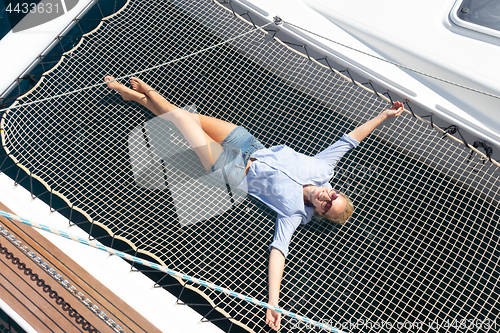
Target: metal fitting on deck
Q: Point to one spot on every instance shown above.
(277, 20)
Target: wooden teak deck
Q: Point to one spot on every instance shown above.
(47, 305)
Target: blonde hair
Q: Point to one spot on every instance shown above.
(342, 217)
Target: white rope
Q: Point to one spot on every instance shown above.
(139, 72)
(397, 64)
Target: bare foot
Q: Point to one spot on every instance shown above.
(140, 86)
(126, 93)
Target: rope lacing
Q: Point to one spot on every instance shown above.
(396, 64)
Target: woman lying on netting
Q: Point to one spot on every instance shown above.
(292, 184)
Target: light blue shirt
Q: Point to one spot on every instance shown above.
(277, 177)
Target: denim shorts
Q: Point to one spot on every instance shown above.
(237, 148)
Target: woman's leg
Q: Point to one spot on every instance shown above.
(215, 128)
(205, 147)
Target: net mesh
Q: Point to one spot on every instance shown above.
(423, 242)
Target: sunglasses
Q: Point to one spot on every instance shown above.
(333, 194)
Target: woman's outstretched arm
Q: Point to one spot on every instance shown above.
(362, 131)
(283, 231)
(276, 267)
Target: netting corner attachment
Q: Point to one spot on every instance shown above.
(407, 103)
(31, 79)
(277, 20)
(488, 150)
(387, 93)
(452, 129)
(430, 115)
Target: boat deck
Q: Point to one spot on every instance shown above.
(43, 302)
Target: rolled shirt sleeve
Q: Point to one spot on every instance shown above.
(283, 231)
(334, 153)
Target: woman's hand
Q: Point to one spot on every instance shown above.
(361, 132)
(273, 319)
(396, 110)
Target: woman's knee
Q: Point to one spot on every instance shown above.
(175, 115)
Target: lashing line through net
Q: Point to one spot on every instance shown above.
(30, 77)
(278, 21)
